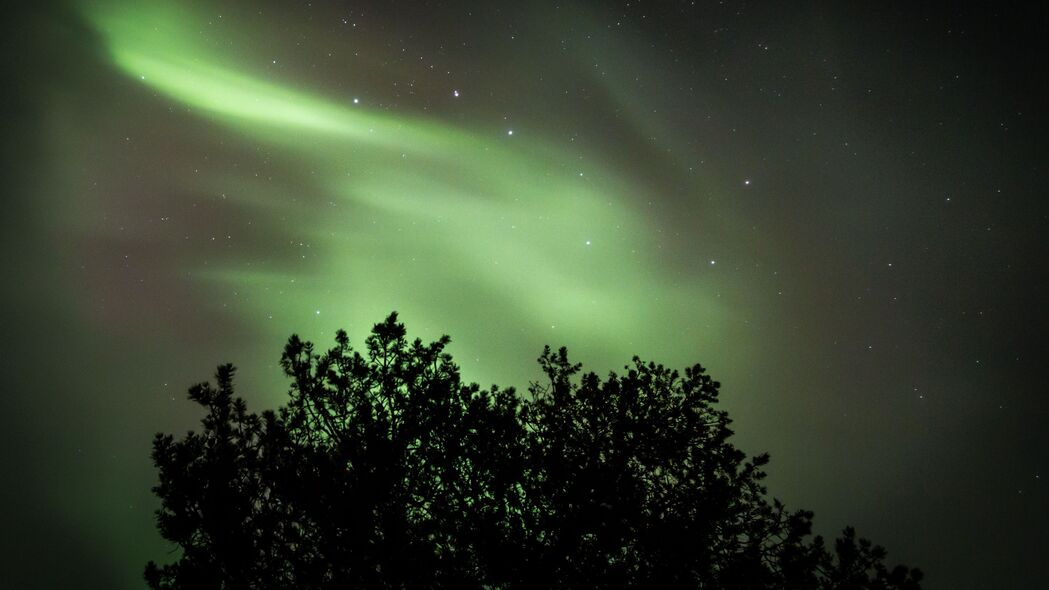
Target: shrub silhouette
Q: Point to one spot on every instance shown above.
(385, 470)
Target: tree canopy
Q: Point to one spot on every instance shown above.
(385, 470)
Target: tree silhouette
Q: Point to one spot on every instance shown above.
(385, 470)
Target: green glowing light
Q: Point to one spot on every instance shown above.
(491, 236)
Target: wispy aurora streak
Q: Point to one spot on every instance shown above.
(489, 236)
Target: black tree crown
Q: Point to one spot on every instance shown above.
(385, 470)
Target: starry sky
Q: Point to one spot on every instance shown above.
(840, 211)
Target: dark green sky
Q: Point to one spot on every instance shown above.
(840, 212)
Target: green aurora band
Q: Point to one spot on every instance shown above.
(489, 235)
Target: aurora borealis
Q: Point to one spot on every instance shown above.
(432, 216)
(839, 211)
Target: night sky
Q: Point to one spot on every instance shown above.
(840, 211)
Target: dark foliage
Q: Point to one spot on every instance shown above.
(384, 470)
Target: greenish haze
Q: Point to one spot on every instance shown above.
(487, 234)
